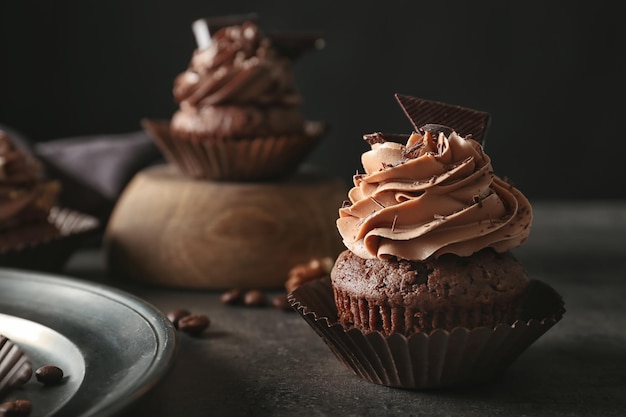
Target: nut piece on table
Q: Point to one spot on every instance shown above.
(302, 273)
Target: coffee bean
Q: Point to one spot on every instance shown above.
(18, 408)
(49, 375)
(175, 315)
(255, 298)
(194, 324)
(282, 303)
(233, 296)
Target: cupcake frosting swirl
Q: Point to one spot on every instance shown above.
(240, 86)
(240, 66)
(24, 196)
(437, 194)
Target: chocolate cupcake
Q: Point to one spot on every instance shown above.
(35, 233)
(25, 198)
(239, 109)
(429, 230)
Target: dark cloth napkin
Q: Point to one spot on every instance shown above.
(94, 169)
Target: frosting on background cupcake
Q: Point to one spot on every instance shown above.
(241, 85)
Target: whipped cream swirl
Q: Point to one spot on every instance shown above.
(437, 194)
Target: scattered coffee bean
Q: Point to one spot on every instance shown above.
(49, 375)
(175, 315)
(18, 408)
(255, 298)
(194, 324)
(282, 303)
(233, 296)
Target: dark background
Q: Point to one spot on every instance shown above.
(550, 73)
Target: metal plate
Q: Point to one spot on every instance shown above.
(112, 346)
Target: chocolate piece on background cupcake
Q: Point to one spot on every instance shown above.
(428, 275)
(239, 112)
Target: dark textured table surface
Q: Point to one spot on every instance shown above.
(263, 361)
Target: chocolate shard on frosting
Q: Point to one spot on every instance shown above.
(463, 120)
(15, 367)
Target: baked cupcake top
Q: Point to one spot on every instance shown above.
(24, 195)
(435, 194)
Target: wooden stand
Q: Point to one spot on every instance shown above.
(173, 231)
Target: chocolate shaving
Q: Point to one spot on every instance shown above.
(377, 202)
(463, 120)
(373, 138)
(413, 151)
(379, 137)
(360, 222)
(435, 129)
(393, 224)
(477, 200)
(346, 203)
(440, 148)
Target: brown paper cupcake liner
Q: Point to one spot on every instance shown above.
(428, 360)
(251, 159)
(47, 247)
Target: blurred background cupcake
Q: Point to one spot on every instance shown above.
(239, 114)
(236, 205)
